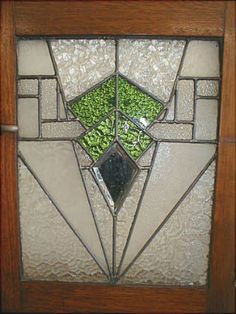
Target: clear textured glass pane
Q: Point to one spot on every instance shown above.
(28, 117)
(117, 141)
(207, 88)
(185, 100)
(153, 64)
(171, 131)
(51, 251)
(34, 58)
(101, 212)
(70, 129)
(83, 63)
(165, 187)
(65, 187)
(49, 99)
(28, 87)
(178, 255)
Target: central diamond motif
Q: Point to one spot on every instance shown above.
(116, 115)
(115, 172)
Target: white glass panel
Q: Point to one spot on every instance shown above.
(172, 131)
(34, 58)
(28, 87)
(201, 59)
(178, 255)
(83, 63)
(206, 119)
(62, 129)
(169, 180)
(55, 165)
(153, 64)
(28, 117)
(51, 251)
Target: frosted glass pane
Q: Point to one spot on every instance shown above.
(165, 187)
(206, 119)
(146, 159)
(171, 131)
(126, 214)
(70, 129)
(178, 255)
(55, 165)
(83, 63)
(185, 99)
(49, 99)
(62, 108)
(201, 59)
(28, 87)
(28, 117)
(34, 58)
(207, 88)
(153, 64)
(171, 110)
(82, 156)
(51, 251)
(101, 211)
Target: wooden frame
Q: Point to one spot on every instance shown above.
(205, 18)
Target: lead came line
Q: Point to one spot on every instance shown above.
(60, 212)
(114, 275)
(169, 215)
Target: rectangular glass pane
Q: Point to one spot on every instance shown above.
(117, 152)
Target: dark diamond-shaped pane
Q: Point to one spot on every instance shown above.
(117, 171)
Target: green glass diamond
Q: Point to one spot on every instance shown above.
(134, 140)
(91, 107)
(97, 141)
(139, 106)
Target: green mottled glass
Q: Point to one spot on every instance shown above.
(134, 140)
(91, 107)
(138, 105)
(99, 139)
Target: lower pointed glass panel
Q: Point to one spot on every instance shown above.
(117, 153)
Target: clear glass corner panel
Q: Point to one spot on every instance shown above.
(117, 151)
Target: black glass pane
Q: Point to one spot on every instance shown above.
(118, 172)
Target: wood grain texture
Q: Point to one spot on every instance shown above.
(173, 18)
(7, 65)
(222, 291)
(10, 273)
(72, 298)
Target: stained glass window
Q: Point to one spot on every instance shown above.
(117, 151)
